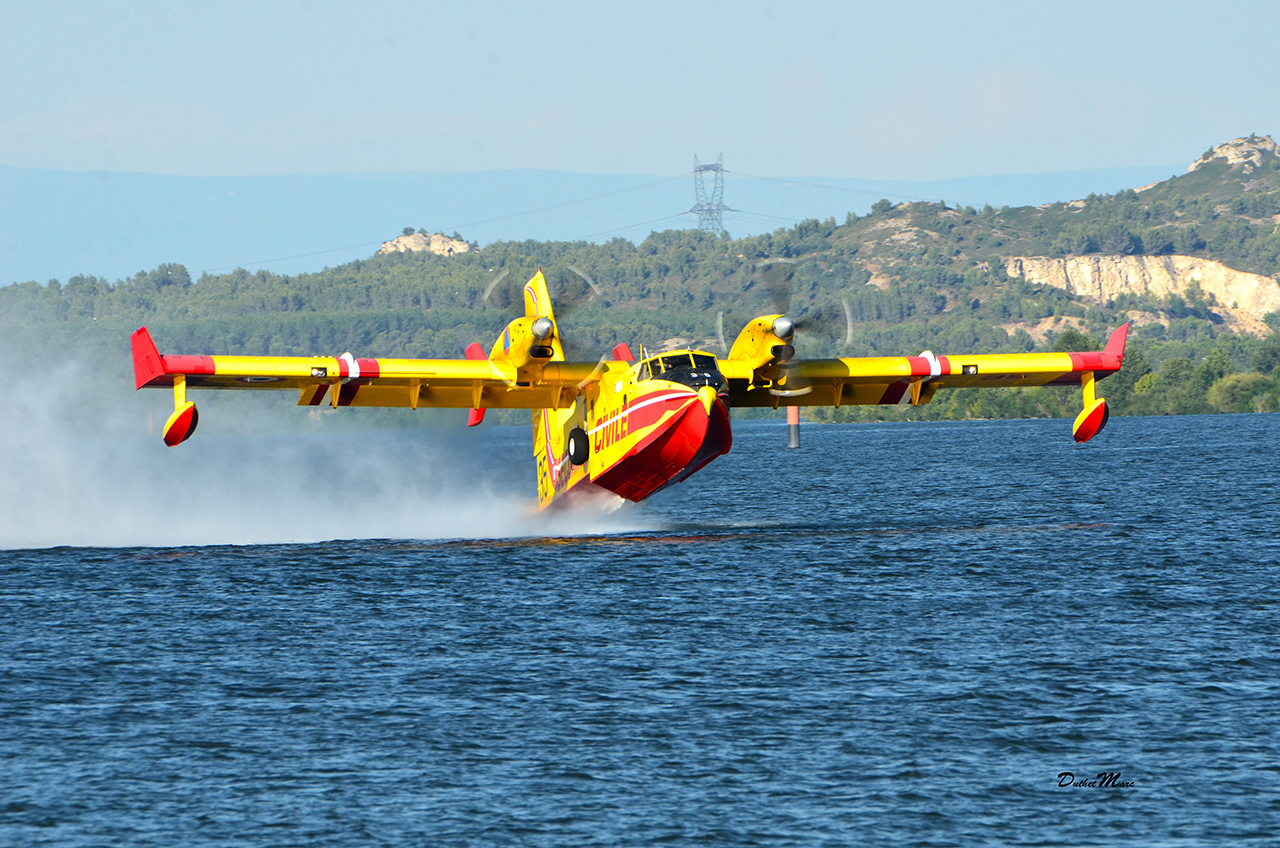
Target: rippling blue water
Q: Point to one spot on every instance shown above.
(899, 634)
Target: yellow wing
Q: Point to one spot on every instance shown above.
(348, 381)
(526, 369)
(767, 381)
(759, 372)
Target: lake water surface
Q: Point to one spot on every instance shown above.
(898, 634)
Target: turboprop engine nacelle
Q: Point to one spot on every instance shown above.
(526, 341)
(765, 339)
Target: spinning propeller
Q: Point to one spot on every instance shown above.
(567, 293)
(829, 321)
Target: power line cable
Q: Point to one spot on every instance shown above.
(635, 226)
(571, 202)
(846, 189)
(295, 256)
(762, 216)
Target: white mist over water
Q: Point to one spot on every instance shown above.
(67, 481)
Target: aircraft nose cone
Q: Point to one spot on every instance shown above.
(707, 394)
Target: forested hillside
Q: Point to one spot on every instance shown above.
(912, 277)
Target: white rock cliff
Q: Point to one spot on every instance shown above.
(1241, 298)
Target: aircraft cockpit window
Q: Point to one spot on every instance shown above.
(691, 369)
(703, 361)
(677, 360)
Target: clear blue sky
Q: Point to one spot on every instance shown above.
(908, 91)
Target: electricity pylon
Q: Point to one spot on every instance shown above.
(709, 210)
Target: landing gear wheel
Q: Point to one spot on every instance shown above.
(578, 446)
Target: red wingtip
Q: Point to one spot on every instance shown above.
(622, 353)
(147, 364)
(1115, 344)
(474, 351)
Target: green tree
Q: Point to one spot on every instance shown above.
(1071, 340)
(1267, 357)
(1251, 392)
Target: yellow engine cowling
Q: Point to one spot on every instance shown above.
(759, 345)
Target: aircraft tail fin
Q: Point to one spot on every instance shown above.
(147, 364)
(537, 300)
(552, 427)
(1115, 344)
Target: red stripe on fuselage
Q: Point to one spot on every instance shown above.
(647, 410)
(644, 411)
(689, 441)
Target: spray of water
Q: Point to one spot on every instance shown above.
(79, 467)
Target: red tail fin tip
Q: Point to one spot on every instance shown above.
(147, 364)
(1115, 344)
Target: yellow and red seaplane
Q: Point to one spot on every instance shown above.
(619, 425)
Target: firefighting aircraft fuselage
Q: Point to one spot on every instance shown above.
(620, 426)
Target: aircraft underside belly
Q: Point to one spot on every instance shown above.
(683, 446)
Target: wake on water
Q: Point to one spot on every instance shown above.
(109, 483)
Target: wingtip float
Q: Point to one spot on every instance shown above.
(622, 425)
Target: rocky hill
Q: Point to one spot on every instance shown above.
(1254, 154)
(1244, 176)
(1213, 232)
(422, 242)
